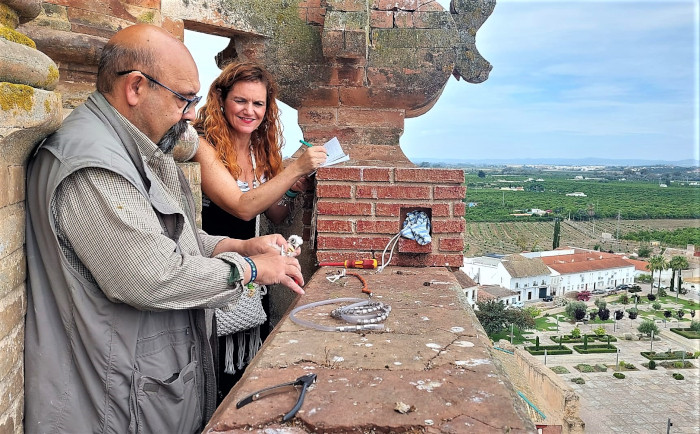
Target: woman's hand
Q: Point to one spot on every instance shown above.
(311, 159)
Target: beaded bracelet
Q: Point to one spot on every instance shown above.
(253, 269)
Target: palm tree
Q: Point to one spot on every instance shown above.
(659, 263)
(677, 263)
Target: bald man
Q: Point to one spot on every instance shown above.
(120, 279)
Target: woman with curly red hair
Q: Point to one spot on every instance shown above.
(240, 153)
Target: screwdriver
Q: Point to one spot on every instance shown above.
(358, 263)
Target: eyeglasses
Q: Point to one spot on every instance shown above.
(190, 102)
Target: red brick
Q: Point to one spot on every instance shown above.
(454, 192)
(376, 174)
(377, 227)
(384, 5)
(443, 176)
(317, 115)
(330, 242)
(450, 244)
(328, 208)
(335, 190)
(310, 4)
(370, 117)
(175, 27)
(403, 19)
(449, 226)
(347, 5)
(459, 209)
(315, 15)
(430, 6)
(381, 19)
(335, 226)
(392, 192)
(339, 174)
(347, 75)
(411, 246)
(321, 97)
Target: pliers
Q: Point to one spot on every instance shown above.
(304, 382)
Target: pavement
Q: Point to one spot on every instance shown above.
(645, 400)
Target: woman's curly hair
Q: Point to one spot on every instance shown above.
(266, 140)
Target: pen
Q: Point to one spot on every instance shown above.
(306, 143)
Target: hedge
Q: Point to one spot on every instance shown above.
(674, 355)
(686, 333)
(552, 350)
(595, 349)
(567, 339)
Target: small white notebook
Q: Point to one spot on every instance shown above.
(335, 153)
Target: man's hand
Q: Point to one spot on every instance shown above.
(274, 268)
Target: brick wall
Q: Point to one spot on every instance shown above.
(359, 210)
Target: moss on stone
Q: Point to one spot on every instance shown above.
(8, 17)
(147, 17)
(15, 36)
(16, 96)
(52, 76)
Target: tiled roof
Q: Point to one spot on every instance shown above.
(520, 266)
(585, 262)
(638, 264)
(464, 280)
(495, 291)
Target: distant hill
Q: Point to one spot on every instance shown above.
(591, 161)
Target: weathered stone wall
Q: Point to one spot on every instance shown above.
(560, 401)
(30, 109)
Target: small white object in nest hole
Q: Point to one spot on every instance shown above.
(404, 408)
(293, 242)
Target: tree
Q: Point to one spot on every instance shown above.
(557, 234)
(644, 251)
(656, 263)
(481, 174)
(576, 310)
(677, 263)
(495, 317)
(647, 326)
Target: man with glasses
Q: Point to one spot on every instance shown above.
(120, 279)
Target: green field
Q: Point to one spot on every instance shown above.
(604, 198)
(587, 222)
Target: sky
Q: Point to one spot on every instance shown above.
(570, 79)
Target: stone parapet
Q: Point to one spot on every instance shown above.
(29, 111)
(433, 357)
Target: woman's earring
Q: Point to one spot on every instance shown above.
(222, 108)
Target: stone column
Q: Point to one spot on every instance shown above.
(29, 111)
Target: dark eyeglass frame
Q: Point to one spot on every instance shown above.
(191, 102)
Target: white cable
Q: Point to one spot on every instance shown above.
(394, 239)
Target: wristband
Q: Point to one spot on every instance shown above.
(253, 269)
(291, 193)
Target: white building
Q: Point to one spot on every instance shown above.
(586, 270)
(529, 277)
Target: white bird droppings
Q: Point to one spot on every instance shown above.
(457, 329)
(464, 344)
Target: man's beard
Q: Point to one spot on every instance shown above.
(170, 138)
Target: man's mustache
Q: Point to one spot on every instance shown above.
(170, 138)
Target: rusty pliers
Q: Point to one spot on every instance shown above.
(302, 382)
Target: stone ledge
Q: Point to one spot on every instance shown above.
(434, 356)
